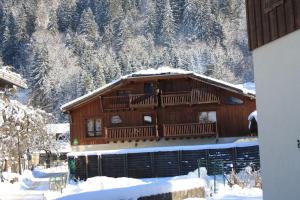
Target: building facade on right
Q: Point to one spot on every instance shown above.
(274, 38)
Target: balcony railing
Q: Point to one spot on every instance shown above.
(194, 129)
(131, 133)
(115, 103)
(142, 100)
(171, 99)
(189, 98)
(130, 101)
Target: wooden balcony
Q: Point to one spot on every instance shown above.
(115, 103)
(128, 102)
(190, 130)
(190, 98)
(131, 133)
(142, 100)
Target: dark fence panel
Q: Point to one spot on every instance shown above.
(247, 156)
(139, 165)
(114, 165)
(92, 166)
(189, 160)
(168, 163)
(81, 168)
(218, 158)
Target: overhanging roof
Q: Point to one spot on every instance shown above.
(157, 73)
(12, 78)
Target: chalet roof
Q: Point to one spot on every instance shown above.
(12, 77)
(156, 73)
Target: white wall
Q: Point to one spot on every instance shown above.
(277, 77)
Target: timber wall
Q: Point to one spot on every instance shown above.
(269, 20)
(164, 163)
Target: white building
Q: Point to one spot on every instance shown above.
(274, 37)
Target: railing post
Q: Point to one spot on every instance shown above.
(106, 133)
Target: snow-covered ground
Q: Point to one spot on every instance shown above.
(35, 185)
(124, 188)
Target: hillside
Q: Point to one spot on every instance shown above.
(66, 48)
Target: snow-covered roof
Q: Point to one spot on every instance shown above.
(58, 128)
(162, 71)
(12, 77)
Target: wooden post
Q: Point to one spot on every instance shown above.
(179, 157)
(100, 165)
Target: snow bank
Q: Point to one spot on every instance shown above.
(159, 149)
(29, 182)
(40, 172)
(138, 188)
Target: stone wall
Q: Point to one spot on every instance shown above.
(178, 195)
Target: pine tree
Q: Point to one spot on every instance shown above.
(88, 26)
(101, 12)
(168, 26)
(66, 13)
(39, 75)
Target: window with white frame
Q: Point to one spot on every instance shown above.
(208, 117)
(94, 127)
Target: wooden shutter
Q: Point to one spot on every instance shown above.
(272, 4)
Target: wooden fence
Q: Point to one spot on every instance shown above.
(164, 163)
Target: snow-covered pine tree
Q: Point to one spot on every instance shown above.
(168, 26)
(88, 26)
(39, 74)
(66, 13)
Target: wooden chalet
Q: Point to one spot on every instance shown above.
(163, 103)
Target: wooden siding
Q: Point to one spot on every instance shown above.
(231, 119)
(269, 20)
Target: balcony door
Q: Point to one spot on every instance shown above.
(148, 88)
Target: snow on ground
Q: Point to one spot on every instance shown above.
(131, 189)
(35, 185)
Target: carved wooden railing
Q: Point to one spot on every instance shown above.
(131, 133)
(193, 129)
(115, 103)
(130, 101)
(189, 98)
(204, 96)
(142, 100)
(171, 99)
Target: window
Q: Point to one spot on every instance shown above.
(271, 4)
(147, 119)
(148, 88)
(208, 117)
(94, 127)
(233, 101)
(116, 119)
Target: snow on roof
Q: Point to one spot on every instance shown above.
(162, 71)
(160, 149)
(58, 128)
(248, 86)
(7, 75)
(252, 115)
